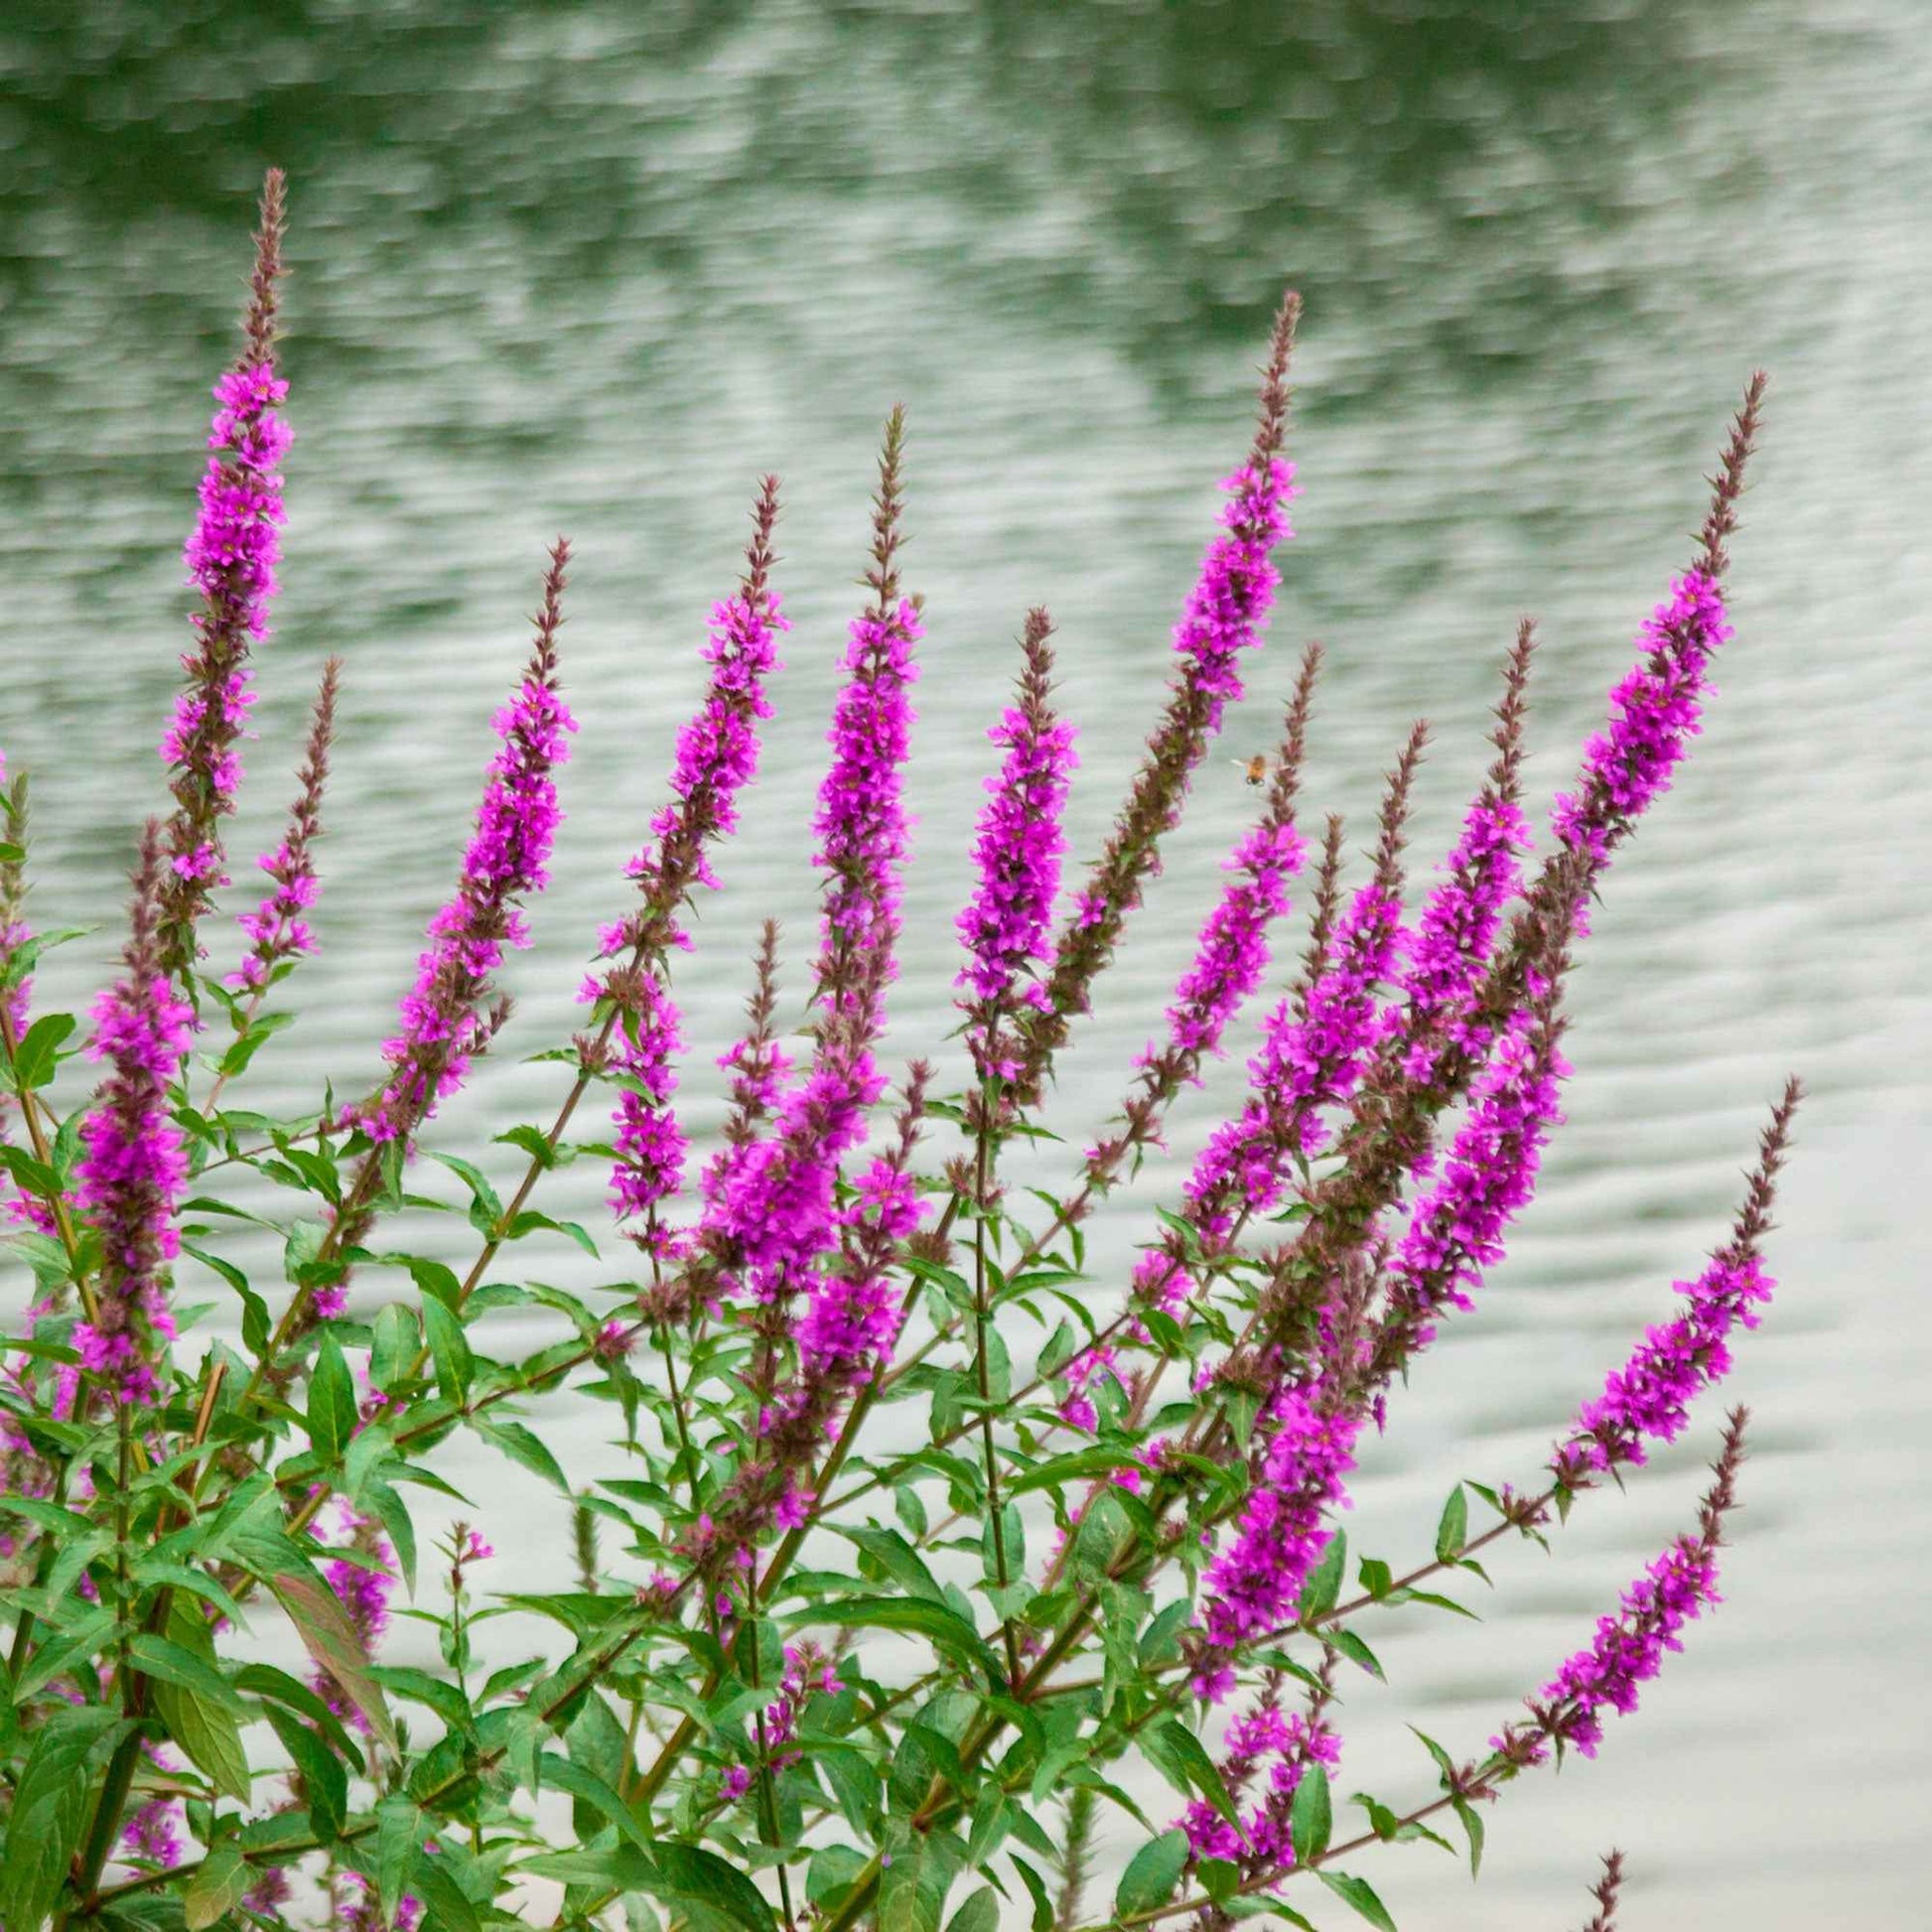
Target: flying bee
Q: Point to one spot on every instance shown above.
(1254, 769)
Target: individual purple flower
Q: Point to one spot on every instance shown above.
(1648, 1399)
(358, 1907)
(1017, 856)
(132, 1164)
(277, 930)
(442, 1017)
(232, 556)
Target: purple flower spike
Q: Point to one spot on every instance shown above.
(1016, 855)
(1648, 1399)
(1654, 713)
(1456, 936)
(442, 1016)
(232, 557)
(1628, 1649)
(277, 929)
(716, 757)
(1225, 615)
(132, 1164)
(1456, 1232)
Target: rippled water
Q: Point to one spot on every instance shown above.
(592, 267)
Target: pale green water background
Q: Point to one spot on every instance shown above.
(591, 268)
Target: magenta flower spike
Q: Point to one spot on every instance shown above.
(769, 1217)
(1017, 856)
(1224, 619)
(232, 557)
(443, 1019)
(132, 1164)
(1648, 1399)
(1456, 936)
(277, 929)
(1630, 1647)
(716, 759)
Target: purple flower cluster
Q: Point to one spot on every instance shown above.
(1450, 948)
(1233, 951)
(1256, 1581)
(716, 757)
(276, 929)
(861, 822)
(650, 1145)
(1627, 1652)
(1017, 856)
(1649, 1397)
(364, 1593)
(232, 555)
(1310, 1057)
(132, 1162)
(1456, 1231)
(442, 1024)
(1654, 713)
(1235, 590)
(1291, 1747)
(851, 1318)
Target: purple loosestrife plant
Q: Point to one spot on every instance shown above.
(927, 1542)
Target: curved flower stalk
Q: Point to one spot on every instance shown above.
(231, 558)
(1017, 853)
(1225, 615)
(132, 1166)
(1605, 1891)
(1628, 1648)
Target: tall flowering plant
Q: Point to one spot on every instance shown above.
(942, 1570)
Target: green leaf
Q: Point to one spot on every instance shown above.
(1322, 1591)
(324, 1779)
(219, 1886)
(399, 1829)
(392, 1351)
(445, 1904)
(264, 1679)
(1453, 1529)
(448, 1350)
(582, 1783)
(945, 1629)
(1042, 1902)
(49, 1808)
(1354, 1648)
(330, 1639)
(1472, 1825)
(171, 1664)
(1152, 1874)
(205, 1725)
(1359, 1893)
(1310, 1821)
(523, 1446)
(912, 1888)
(35, 1061)
(688, 1877)
(1183, 1760)
(980, 1913)
(401, 1531)
(485, 1209)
